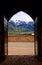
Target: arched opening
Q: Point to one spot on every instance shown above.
(21, 34)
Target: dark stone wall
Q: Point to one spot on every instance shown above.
(1, 38)
(8, 9)
(41, 40)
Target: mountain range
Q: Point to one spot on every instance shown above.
(20, 27)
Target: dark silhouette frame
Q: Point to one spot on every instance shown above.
(8, 11)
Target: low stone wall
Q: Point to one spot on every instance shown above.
(29, 38)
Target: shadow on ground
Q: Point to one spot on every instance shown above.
(21, 60)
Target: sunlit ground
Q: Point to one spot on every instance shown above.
(20, 48)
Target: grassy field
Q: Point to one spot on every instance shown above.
(19, 33)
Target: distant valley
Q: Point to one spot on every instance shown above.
(20, 27)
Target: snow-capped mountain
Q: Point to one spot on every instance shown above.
(21, 24)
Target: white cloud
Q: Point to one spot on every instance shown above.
(21, 16)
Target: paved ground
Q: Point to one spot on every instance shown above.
(23, 59)
(20, 48)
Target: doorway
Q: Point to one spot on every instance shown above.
(21, 34)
